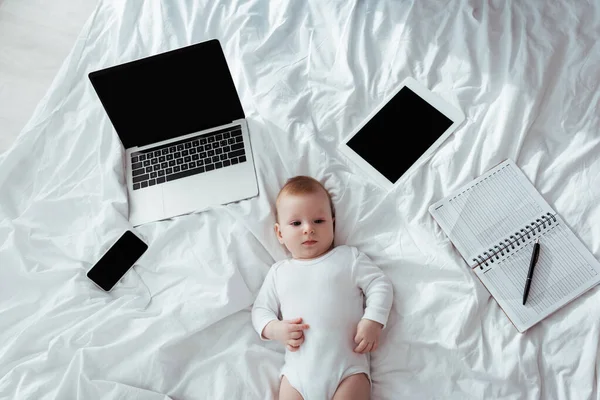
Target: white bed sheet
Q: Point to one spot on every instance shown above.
(178, 326)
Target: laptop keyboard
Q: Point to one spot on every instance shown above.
(214, 150)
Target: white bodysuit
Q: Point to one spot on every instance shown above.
(327, 293)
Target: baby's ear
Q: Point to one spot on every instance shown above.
(278, 233)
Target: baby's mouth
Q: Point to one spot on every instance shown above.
(309, 242)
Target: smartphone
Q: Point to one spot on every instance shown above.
(117, 260)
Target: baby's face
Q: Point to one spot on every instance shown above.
(305, 224)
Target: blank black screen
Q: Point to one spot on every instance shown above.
(117, 260)
(399, 134)
(170, 94)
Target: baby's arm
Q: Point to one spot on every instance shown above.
(378, 291)
(266, 305)
(265, 317)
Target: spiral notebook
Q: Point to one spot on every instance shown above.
(493, 222)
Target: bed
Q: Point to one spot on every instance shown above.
(526, 75)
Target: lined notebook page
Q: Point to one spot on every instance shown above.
(565, 270)
(489, 209)
(486, 213)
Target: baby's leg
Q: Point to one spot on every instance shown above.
(354, 387)
(287, 391)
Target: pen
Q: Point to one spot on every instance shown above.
(534, 258)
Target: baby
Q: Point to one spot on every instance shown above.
(318, 293)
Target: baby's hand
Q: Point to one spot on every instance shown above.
(288, 332)
(367, 336)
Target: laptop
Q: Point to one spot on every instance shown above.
(181, 122)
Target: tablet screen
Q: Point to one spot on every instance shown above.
(399, 134)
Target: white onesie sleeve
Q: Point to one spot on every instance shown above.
(266, 305)
(376, 286)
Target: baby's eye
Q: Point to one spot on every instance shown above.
(295, 223)
(319, 221)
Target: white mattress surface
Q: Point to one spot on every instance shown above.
(526, 75)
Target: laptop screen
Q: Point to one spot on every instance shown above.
(170, 94)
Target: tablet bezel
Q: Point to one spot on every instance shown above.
(442, 105)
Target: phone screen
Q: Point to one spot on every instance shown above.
(117, 260)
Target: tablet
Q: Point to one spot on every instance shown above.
(403, 131)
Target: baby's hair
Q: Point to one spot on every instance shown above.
(302, 184)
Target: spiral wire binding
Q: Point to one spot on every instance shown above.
(517, 239)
